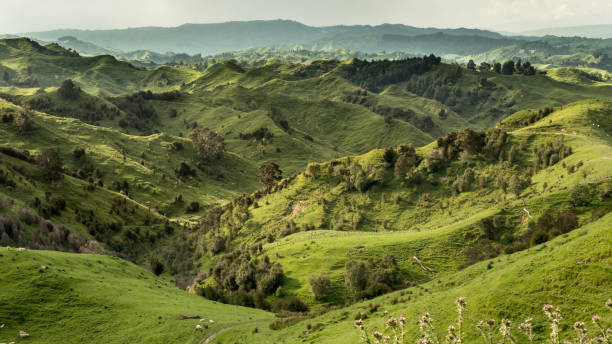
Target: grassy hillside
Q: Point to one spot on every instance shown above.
(70, 298)
(450, 210)
(30, 65)
(569, 272)
(143, 167)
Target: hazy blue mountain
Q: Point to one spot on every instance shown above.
(591, 31)
(229, 36)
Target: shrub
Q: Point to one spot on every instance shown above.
(356, 276)
(320, 286)
(156, 266)
(27, 216)
(580, 195)
(193, 207)
(23, 122)
(290, 304)
(50, 162)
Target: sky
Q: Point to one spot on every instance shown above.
(503, 15)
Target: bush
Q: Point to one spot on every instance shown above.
(356, 276)
(50, 162)
(207, 144)
(320, 286)
(269, 174)
(193, 207)
(580, 195)
(156, 266)
(290, 304)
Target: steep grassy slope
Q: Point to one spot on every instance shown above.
(69, 298)
(146, 163)
(570, 272)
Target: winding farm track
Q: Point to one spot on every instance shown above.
(212, 337)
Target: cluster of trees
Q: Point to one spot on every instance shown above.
(368, 280)
(140, 113)
(261, 134)
(87, 108)
(374, 75)
(507, 68)
(242, 279)
(361, 279)
(50, 163)
(44, 236)
(550, 153)
(533, 117)
(498, 234)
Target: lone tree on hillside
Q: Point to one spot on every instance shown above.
(269, 174)
(50, 162)
(471, 65)
(207, 144)
(69, 90)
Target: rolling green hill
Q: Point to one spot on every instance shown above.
(406, 183)
(470, 203)
(569, 272)
(70, 298)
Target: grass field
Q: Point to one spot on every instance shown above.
(570, 272)
(75, 298)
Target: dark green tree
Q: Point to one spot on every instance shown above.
(471, 65)
(320, 286)
(508, 68)
(497, 68)
(69, 90)
(207, 144)
(50, 162)
(269, 174)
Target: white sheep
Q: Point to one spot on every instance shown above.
(211, 321)
(23, 334)
(198, 327)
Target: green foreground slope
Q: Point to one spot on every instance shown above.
(68, 298)
(571, 272)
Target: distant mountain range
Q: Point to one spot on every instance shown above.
(216, 38)
(257, 39)
(590, 31)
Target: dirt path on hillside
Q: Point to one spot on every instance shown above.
(212, 337)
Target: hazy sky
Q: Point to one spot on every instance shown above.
(511, 15)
